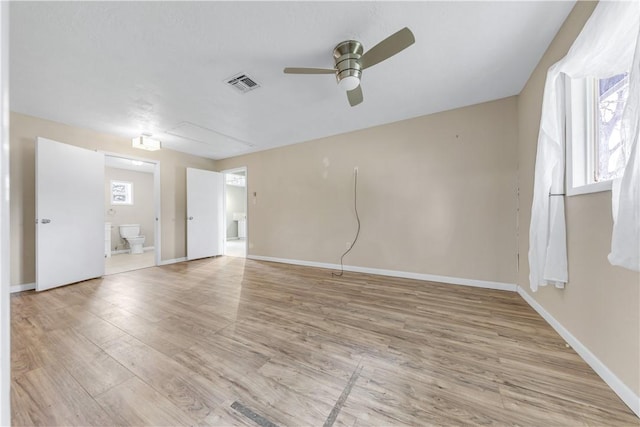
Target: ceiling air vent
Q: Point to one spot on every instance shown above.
(242, 83)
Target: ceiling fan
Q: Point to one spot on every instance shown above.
(350, 61)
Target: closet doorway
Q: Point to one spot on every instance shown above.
(235, 212)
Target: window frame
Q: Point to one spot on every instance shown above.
(128, 185)
(581, 137)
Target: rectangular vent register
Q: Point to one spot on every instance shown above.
(242, 83)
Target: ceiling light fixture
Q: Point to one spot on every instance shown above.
(144, 142)
(349, 83)
(349, 69)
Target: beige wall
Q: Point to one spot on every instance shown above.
(141, 212)
(436, 195)
(23, 133)
(601, 303)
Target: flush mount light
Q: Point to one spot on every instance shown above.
(144, 142)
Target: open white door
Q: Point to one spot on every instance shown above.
(69, 214)
(204, 213)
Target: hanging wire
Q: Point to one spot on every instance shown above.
(355, 206)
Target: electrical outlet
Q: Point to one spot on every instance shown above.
(348, 245)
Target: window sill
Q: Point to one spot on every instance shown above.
(590, 188)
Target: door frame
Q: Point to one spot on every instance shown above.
(224, 173)
(5, 319)
(157, 238)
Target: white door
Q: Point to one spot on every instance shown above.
(69, 214)
(204, 213)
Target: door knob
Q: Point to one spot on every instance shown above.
(45, 221)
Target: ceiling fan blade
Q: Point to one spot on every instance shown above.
(355, 96)
(388, 47)
(294, 70)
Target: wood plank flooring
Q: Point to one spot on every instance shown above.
(292, 346)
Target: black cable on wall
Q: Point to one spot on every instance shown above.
(355, 206)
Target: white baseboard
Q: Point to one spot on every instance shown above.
(395, 273)
(172, 261)
(24, 287)
(621, 389)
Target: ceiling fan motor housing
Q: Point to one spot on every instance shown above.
(347, 59)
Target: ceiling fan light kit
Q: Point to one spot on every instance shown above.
(347, 59)
(349, 82)
(350, 60)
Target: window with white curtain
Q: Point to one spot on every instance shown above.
(607, 47)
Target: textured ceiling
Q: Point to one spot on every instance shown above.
(127, 68)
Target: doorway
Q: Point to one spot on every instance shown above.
(235, 212)
(131, 214)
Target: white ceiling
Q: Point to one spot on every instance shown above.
(127, 68)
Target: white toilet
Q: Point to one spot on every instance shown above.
(131, 233)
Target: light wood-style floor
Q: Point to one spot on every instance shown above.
(126, 262)
(230, 341)
(235, 247)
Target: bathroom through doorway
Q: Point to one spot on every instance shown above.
(235, 212)
(131, 214)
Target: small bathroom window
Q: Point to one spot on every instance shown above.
(121, 193)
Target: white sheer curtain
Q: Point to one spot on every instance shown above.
(625, 241)
(604, 48)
